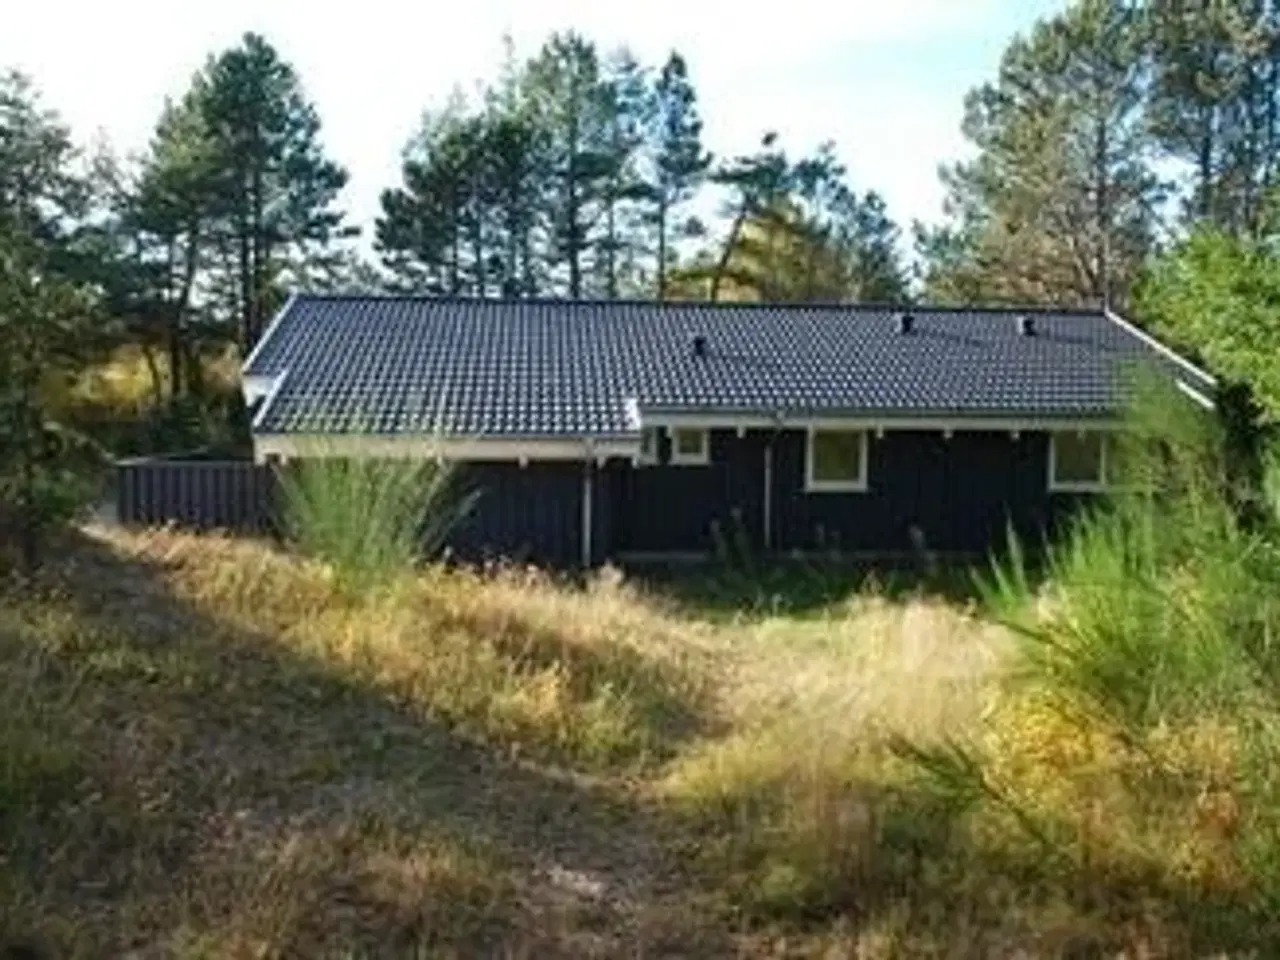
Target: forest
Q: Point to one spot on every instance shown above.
(1124, 154)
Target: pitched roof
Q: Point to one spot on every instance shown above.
(531, 368)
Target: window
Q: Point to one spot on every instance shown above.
(689, 447)
(836, 461)
(1077, 461)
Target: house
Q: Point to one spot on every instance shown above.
(626, 430)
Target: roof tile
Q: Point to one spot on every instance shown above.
(394, 365)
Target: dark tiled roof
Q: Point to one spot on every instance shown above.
(553, 368)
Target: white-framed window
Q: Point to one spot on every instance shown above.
(690, 447)
(836, 461)
(1077, 461)
(649, 446)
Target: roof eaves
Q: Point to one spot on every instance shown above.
(260, 417)
(1206, 379)
(247, 367)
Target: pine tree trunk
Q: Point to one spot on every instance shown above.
(246, 289)
(572, 241)
(611, 249)
(662, 250)
(455, 254)
(177, 331)
(175, 362)
(1103, 212)
(477, 251)
(730, 242)
(572, 238)
(28, 443)
(1206, 168)
(258, 252)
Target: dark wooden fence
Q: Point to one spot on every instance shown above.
(236, 495)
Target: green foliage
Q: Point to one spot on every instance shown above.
(535, 188)
(679, 163)
(799, 233)
(572, 174)
(1161, 619)
(1162, 614)
(369, 519)
(1059, 204)
(1219, 296)
(47, 319)
(273, 187)
(1213, 103)
(1092, 110)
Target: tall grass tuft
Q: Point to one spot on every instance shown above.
(371, 519)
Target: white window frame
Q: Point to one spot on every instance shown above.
(857, 485)
(1078, 486)
(699, 459)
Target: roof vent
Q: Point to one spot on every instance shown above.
(906, 323)
(1026, 325)
(699, 346)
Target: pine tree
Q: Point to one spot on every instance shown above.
(161, 231)
(441, 230)
(1060, 204)
(1216, 104)
(275, 188)
(512, 145)
(756, 182)
(46, 324)
(679, 163)
(626, 107)
(41, 193)
(568, 100)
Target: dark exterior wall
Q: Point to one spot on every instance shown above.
(530, 513)
(960, 493)
(669, 508)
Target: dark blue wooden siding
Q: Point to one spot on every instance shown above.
(960, 493)
(668, 508)
(530, 513)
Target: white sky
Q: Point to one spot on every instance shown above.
(884, 79)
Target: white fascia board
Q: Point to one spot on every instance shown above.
(425, 446)
(1196, 396)
(276, 383)
(1206, 379)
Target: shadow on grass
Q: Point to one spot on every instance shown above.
(222, 794)
(665, 707)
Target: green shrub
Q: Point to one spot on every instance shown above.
(1155, 646)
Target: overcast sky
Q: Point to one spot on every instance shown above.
(884, 79)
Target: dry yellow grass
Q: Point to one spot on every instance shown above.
(212, 751)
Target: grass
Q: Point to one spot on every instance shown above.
(406, 509)
(216, 749)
